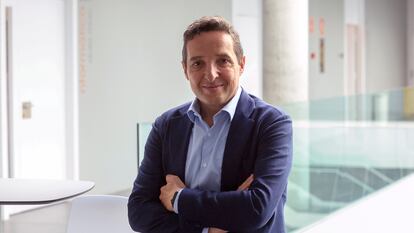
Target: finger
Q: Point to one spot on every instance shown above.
(161, 195)
(170, 178)
(173, 179)
(216, 230)
(251, 178)
(242, 187)
(246, 184)
(162, 189)
(180, 183)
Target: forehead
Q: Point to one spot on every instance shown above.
(208, 43)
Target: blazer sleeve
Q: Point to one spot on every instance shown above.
(146, 213)
(250, 209)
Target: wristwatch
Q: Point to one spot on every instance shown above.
(173, 198)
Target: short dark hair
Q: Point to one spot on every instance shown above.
(208, 24)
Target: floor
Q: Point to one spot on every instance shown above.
(49, 219)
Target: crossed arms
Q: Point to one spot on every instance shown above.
(235, 211)
(174, 184)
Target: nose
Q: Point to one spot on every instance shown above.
(211, 72)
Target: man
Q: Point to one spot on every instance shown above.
(221, 162)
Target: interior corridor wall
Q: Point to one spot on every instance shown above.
(386, 44)
(327, 24)
(410, 42)
(247, 19)
(130, 71)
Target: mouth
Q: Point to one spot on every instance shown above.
(214, 86)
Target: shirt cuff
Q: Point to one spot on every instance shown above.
(175, 206)
(205, 230)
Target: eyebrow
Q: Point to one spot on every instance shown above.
(195, 58)
(218, 55)
(223, 55)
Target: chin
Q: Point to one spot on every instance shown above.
(214, 101)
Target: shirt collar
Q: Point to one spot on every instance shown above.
(194, 109)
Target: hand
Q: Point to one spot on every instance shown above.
(173, 185)
(216, 230)
(246, 184)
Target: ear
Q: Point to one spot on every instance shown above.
(184, 65)
(242, 63)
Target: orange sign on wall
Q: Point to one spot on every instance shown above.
(311, 25)
(322, 26)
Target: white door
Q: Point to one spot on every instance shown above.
(33, 36)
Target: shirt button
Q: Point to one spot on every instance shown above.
(204, 165)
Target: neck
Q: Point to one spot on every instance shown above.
(208, 112)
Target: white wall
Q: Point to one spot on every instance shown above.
(247, 20)
(353, 14)
(133, 74)
(385, 40)
(330, 82)
(3, 103)
(410, 43)
(386, 44)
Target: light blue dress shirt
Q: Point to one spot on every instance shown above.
(206, 147)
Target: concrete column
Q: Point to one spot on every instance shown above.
(285, 80)
(285, 51)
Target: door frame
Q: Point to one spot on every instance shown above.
(71, 93)
(72, 90)
(355, 60)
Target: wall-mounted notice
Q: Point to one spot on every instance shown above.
(311, 25)
(322, 27)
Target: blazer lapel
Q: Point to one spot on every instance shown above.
(178, 145)
(239, 134)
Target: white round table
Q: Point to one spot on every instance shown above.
(34, 191)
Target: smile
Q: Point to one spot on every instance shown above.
(213, 86)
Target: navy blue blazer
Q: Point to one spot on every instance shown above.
(259, 142)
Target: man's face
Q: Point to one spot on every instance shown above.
(212, 68)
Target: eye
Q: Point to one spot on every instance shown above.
(196, 64)
(224, 62)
